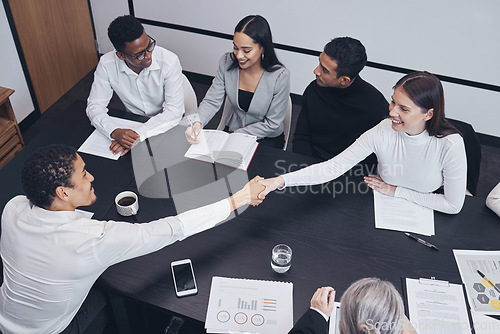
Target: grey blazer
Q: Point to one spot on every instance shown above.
(267, 109)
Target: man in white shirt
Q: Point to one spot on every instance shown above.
(52, 254)
(147, 79)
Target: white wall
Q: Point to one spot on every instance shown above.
(455, 38)
(11, 73)
(103, 12)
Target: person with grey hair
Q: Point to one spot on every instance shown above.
(368, 306)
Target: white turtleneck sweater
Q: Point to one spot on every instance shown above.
(417, 165)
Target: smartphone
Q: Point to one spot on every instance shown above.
(183, 274)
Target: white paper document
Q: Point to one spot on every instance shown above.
(401, 215)
(437, 307)
(484, 324)
(335, 319)
(483, 292)
(249, 306)
(98, 144)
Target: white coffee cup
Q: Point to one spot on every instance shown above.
(127, 203)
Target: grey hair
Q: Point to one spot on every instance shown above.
(371, 306)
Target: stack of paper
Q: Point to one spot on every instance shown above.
(98, 144)
(437, 307)
(401, 215)
(249, 306)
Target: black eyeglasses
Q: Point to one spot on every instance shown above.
(141, 55)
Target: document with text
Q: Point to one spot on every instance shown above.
(480, 272)
(249, 306)
(401, 215)
(437, 307)
(98, 144)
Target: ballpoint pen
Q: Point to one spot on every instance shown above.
(423, 242)
(488, 280)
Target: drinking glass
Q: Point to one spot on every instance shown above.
(281, 259)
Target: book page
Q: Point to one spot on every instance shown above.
(437, 307)
(238, 150)
(401, 215)
(210, 141)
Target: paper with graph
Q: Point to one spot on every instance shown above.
(250, 306)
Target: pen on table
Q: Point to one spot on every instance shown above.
(488, 280)
(423, 242)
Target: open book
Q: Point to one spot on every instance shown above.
(231, 149)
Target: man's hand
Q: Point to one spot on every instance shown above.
(117, 148)
(376, 183)
(270, 185)
(125, 137)
(248, 195)
(192, 133)
(323, 300)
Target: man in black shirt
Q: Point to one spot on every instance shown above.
(338, 106)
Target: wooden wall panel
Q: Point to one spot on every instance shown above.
(58, 44)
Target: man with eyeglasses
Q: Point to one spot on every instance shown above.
(147, 79)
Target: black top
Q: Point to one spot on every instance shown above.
(244, 99)
(311, 322)
(331, 119)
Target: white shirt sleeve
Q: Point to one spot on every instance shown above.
(121, 241)
(173, 104)
(454, 182)
(336, 166)
(493, 200)
(97, 103)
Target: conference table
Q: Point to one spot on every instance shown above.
(330, 229)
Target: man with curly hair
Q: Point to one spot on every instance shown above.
(147, 79)
(52, 254)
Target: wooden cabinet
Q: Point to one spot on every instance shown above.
(11, 141)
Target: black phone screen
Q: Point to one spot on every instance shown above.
(183, 276)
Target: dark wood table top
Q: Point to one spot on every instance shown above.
(330, 229)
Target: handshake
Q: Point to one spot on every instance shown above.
(255, 191)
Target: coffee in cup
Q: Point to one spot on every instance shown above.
(127, 203)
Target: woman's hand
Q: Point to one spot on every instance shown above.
(376, 183)
(248, 195)
(192, 133)
(323, 300)
(271, 185)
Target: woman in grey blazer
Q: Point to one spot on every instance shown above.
(255, 82)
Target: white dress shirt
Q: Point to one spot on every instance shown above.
(51, 259)
(417, 165)
(155, 92)
(493, 200)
